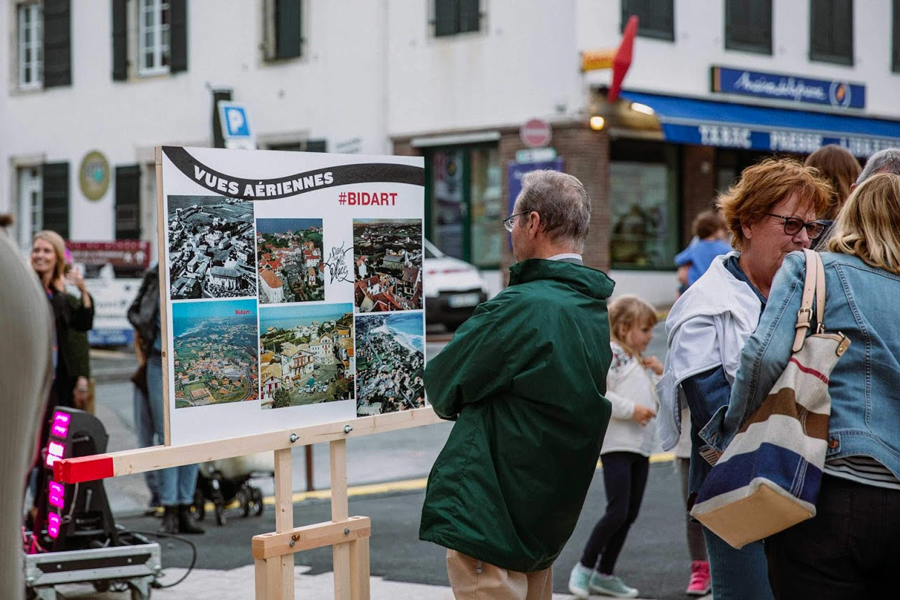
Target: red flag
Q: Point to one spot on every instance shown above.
(623, 58)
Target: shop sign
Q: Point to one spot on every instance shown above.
(597, 60)
(797, 141)
(790, 88)
(236, 126)
(535, 155)
(93, 175)
(535, 133)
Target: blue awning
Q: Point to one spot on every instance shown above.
(726, 125)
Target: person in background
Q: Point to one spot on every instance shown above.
(700, 582)
(26, 370)
(631, 389)
(841, 170)
(851, 548)
(524, 379)
(176, 485)
(693, 261)
(48, 259)
(80, 348)
(142, 316)
(771, 212)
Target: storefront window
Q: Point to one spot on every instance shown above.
(487, 206)
(465, 205)
(644, 209)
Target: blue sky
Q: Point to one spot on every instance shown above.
(211, 308)
(287, 317)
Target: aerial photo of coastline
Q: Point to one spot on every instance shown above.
(390, 361)
(306, 354)
(387, 261)
(289, 260)
(211, 247)
(215, 352)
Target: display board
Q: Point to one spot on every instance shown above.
(292, 289)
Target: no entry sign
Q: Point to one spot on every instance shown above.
(535, 133)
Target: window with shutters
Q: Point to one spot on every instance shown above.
(656, 18)
(30, 217)
(831, 31)
(55, 198)
(149, 38)
(283, 22)
(895, 44)
(748, 25)
(452, 17)
(30, 45)
(153, 37)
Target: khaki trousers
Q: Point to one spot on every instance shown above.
(472, 579)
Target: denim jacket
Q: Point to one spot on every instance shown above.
(861, 303)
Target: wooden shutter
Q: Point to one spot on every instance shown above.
(288, 28)
(445, 12)
(748, 25)
(831, 31)
(55, 184)
(128, 202)
(178, 38)
(469, 15)
(57, 43)
(895, 44)
(657, 17)
(842, 33)
(120, 40)
(316, 146)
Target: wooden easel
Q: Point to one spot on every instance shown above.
(273, 553)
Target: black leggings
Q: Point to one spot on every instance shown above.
(625, 477)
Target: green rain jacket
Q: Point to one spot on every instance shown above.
(525, 377)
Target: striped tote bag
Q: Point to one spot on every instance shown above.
(768, 478)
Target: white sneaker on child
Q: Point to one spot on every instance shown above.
(578, 581)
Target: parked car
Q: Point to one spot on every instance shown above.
(453, 288)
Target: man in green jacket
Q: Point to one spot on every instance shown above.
(524, 378)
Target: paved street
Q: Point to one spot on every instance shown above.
(387, 474)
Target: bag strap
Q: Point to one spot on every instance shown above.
(813, 287)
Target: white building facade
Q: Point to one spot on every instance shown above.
(91, 88)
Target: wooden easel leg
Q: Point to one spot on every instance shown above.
(340, 510)
(359, 569)
(276, 575)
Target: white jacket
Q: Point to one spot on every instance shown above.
(707, 327)
(629, 383)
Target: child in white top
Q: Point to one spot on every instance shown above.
(631, 388)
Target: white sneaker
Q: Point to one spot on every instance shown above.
(578, 581)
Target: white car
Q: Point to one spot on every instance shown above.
(453, 288)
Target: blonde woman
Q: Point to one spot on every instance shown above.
(48, 259)
(850, 548)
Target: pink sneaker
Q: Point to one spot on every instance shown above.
(701, 582)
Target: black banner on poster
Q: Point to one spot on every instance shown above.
(291, 185)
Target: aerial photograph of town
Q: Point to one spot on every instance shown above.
(387, 261)
(306, 354)
(211, 247)
(289, 260)
(390, 361)
(215, 352)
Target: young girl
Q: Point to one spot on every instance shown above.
(631, 388)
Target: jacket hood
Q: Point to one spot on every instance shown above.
(585, 280)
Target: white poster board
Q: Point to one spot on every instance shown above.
(292, 289)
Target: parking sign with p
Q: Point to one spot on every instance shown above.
(235, 125)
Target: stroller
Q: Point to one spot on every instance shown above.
(224, 482)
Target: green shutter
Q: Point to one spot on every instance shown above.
(120, 40)
(128, 202)
(469, 15)
(57, 43)
(831, 31)
(895, 45)
(445, 12)
(748, 25)
(288, 28)
(55, 185)
(178, 37)
(656, 18)
(316, 146)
